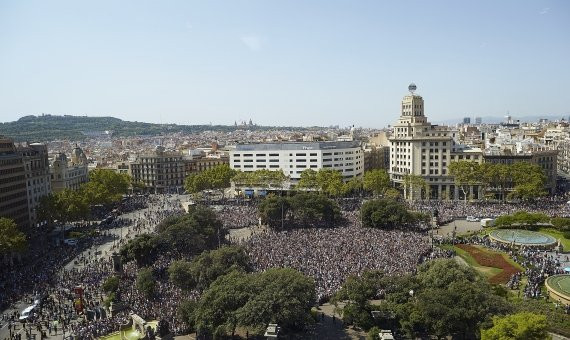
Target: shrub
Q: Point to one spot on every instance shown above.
(373, 333)
(111, 284)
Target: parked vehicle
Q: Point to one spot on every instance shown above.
(27, 313)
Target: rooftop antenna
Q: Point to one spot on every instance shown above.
(412, 87)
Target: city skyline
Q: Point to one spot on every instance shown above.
(286, 64)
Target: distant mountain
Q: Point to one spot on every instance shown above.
(49, 127)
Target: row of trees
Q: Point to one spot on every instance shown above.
(104, 187)
(216, 178)
(326, 181)
(302, 209)
(443, 299)
(312, 209)
(330, 182)
(521, 180)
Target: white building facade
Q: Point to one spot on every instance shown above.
(294, 158)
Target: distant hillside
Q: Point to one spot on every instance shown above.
(49, 127)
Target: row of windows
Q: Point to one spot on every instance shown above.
(12, 179)
(11, 197)
(12, 188)
(11, 161)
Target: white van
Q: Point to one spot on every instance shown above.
(26, 313)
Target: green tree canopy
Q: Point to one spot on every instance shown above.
(146, 282)
(142, 249)
(529, 179)
(356, 292)
(352, 186)
(111, 284)
(520, 326)
(208, 266)
(105, 186)
(465, 174)
(64, 206)
(11, 238)
(376, 181)
(415, 186)
(308, 180)
(330, 182)
(216, 178)
(251, 301)
(387, 214)
(260, 178)
(443, 299)
(312, 209)
(273, 209)
(192, 233)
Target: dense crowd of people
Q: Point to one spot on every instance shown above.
(237, 216)
(330, 255)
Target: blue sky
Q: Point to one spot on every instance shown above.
(282, 62)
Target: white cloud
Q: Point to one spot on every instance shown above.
(252, 42)
(544, 11)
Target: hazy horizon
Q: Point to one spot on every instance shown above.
(282, 63)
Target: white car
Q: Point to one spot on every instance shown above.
(70, 241)
(26, 313)
(472, 219)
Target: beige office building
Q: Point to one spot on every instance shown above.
(419, 148)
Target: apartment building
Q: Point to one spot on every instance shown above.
(13, 192)
(38, 178)
(69, 174)
(160, 171)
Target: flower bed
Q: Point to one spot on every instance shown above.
(494, 260)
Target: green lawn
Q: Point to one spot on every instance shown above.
(486, 271)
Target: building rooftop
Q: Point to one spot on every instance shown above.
(298, 146)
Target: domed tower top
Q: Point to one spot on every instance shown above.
(78, 156)
(412, 107)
